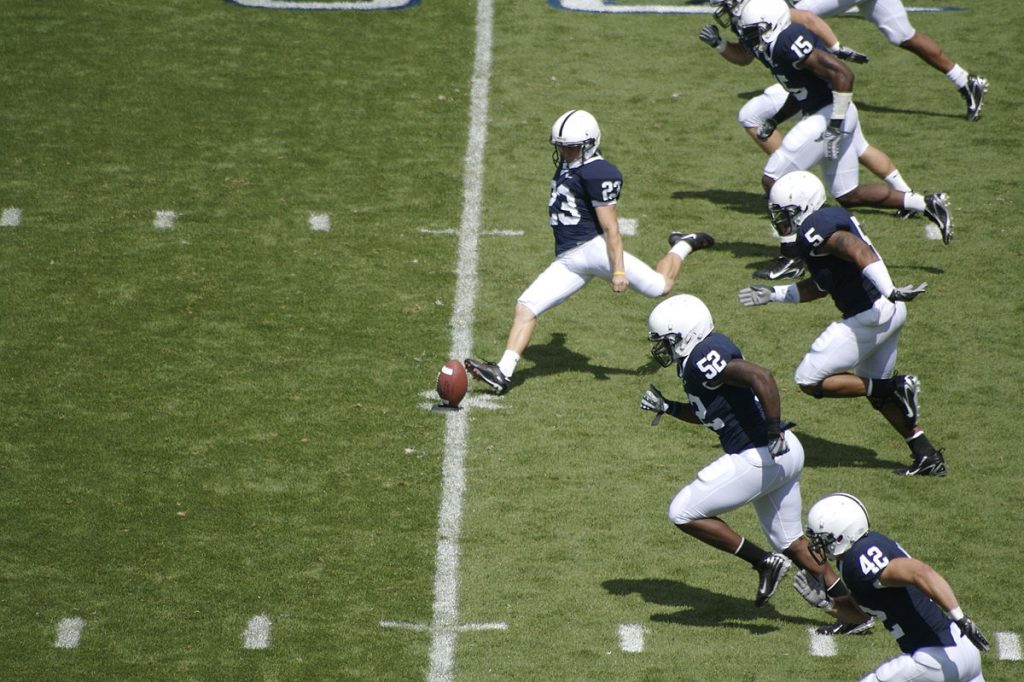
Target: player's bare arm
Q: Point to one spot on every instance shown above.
(849, 246)
(826, 67)
(608, 217)
(759, 379)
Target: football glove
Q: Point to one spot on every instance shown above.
(907, 293)
(709, 34)
(850, 55)
(654, 401)
(972, 633)
(831, 137)
(777, 445)
(810, 587)
(765, 130)
(755, 295)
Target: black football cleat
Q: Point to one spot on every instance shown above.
(936, 209)
(907, 394)
(489, 373)
(931, 464)
(770, 572)
(696, 240)
(974, 94)
(840, 628)
(783, 268)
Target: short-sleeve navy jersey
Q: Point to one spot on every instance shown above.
(574, 194)
(786, 56)
(733, 413)
(851, 291)
(907, 613)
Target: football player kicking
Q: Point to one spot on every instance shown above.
(588, 243)
(854, 357)
(762, 459)
(908, 595)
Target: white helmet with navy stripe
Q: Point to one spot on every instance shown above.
(676, 325)
(760, 22)
(576, 128)
(834, 523)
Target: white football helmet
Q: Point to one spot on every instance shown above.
(676, 325)
(576, 128)
(793, 197)
(760, 22)
(834, 523)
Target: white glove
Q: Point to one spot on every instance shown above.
(811, 589)
(755, 295)
(831, 137)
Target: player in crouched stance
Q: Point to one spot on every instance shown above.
(588, 243)
(854, 357)
(762, 461)
(906, 594)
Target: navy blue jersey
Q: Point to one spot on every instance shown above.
(785, 58)
(907, 613)
(733, 413)
(574, 194)
(851, 291)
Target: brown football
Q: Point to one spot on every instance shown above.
(452, 383)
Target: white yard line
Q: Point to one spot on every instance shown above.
(1008, 644)
(822, 645)
(11, 217)
(631, 638)
(444, 629)
(257, 633)
(69, 633)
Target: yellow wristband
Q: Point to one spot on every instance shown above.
(618, 272)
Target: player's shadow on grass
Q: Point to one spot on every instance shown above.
(554, 357)
(880, 109)
(703, 608)
(752, 203)
(821, 453)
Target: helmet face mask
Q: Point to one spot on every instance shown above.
(727, 12)
(834, 523)
(675, 326)
(793, 198)
(575, 129)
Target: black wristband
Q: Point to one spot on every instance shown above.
(674, 408)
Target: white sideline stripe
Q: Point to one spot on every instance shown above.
(319, 222)
(822, 645)
(257, 633)
(631, 638)
(627, 226)
(69, 632)
(932, 231)
(164, 220)
(11, 217)
(446, 578)
(1008, 644)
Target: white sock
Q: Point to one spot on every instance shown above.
(508, 363)
(913, 201)
(681, 249)
(896, 181)
(958, 75)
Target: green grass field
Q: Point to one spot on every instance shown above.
(222, 418)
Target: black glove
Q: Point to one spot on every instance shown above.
(654, 401)
(777, 445)
(831, 137)
(972, 633)
(709, 34)
(850, 55)
(907, 293)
